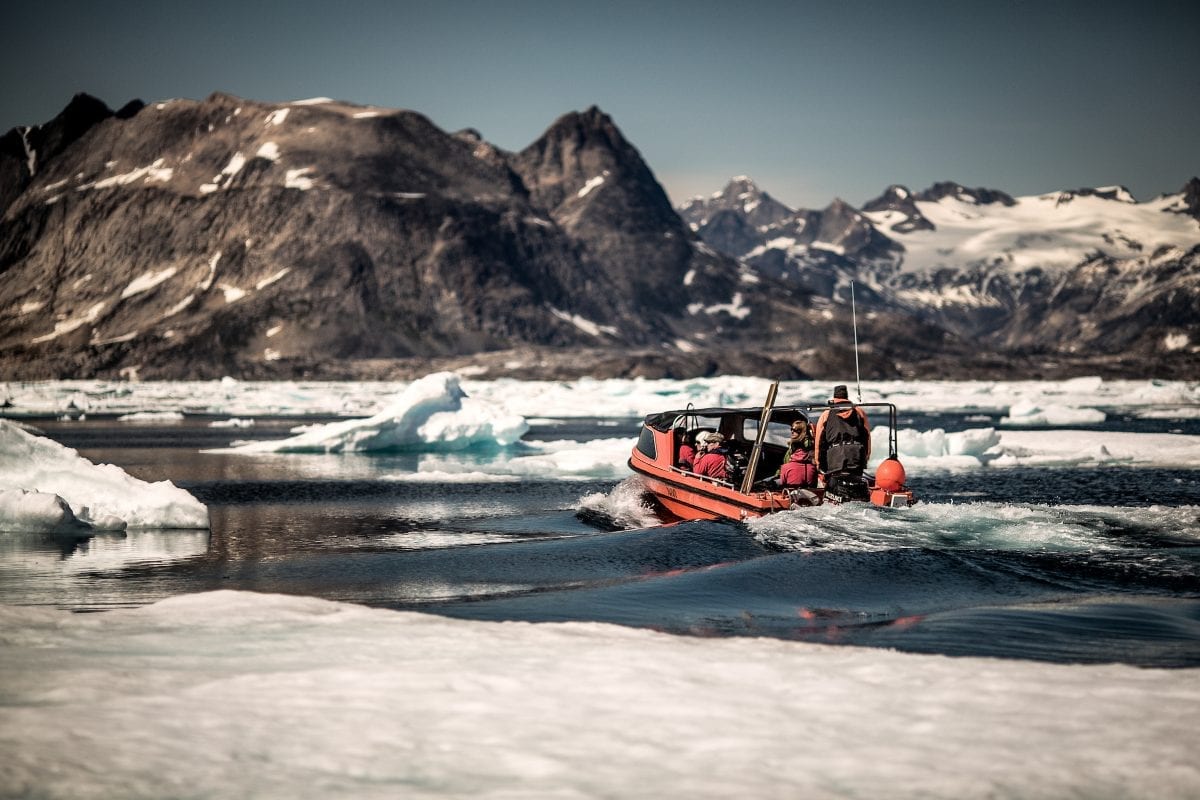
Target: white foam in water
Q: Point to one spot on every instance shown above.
(976, 526)
(100, 496)
(625, 505)
(235, 694)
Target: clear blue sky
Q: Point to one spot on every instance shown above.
(814, 100)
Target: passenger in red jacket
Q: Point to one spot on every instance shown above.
(711, 458)
(687, 453)
(800, 471)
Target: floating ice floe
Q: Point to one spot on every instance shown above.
(232, 422)
(938, 449)
(564, 459)
(432, 413)
(976, 447)
(152, 416)
(617, 398)
(45, 486)
(1051, 415)
(1100, 448)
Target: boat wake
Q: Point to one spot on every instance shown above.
(625, 507)
(979, 526)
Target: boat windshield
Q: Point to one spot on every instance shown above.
(778, 431)
(699, 422)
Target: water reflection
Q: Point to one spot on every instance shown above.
(67, 554)
(99, 571)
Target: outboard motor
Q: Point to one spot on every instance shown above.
(848, 486)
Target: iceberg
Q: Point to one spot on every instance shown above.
(432, 413)
(937, 448)
(45, 486)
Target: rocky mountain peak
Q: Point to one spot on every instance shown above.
(584, 155)
(1117, 194)
(977, 196)
(1190, 198)
(899, 209)
(845, 227)
(26, 151)
(741, 195)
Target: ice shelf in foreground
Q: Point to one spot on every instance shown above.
(304, 698)
(433, 413)
(45, 486)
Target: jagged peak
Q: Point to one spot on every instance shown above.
(84, 100)
(582, 130)
(590, 119)
(894, 196)
(130, 109)
(742, 194)
(225, 98)
(1117, 193)
(1190, 194)
(977, 196)
(840, 205)
(742, 183)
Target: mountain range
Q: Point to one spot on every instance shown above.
(323, 239)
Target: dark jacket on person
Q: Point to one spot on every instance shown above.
(843, 439)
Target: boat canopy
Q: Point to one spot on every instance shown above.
(665, 420)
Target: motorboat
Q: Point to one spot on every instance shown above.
(755, 441)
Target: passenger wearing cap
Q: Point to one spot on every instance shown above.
(843, 439)
(710, 458)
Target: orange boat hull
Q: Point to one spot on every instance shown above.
(689, 496)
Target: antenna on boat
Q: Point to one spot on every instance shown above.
(854, 319)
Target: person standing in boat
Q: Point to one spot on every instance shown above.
(710, 459)
(843, 443)
(798, 469)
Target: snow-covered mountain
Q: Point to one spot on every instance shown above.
(1085, 271)
(196, 239)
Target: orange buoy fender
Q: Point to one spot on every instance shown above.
(890, 476)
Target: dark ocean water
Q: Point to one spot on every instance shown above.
(1061, 564)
